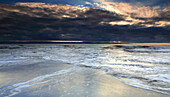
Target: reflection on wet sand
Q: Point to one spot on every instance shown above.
(54, 79)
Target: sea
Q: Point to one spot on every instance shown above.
(142, 66)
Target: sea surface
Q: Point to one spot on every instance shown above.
(143, 66)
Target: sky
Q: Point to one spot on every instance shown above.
(124, 20)
(162, 3)
(141, 8)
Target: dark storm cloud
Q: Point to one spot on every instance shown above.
(25, 23)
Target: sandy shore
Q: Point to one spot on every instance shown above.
(54, 79)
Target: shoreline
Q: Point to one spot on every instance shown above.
(53, 78)
(164, 93)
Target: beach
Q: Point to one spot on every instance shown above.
(84, 70)
(55, 79)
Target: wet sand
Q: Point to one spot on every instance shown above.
(55, 79)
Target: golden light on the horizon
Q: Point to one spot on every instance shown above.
(62, 41)
(116, 42)
(151, 43)
(79, 41)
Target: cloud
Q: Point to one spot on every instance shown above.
(133, 15)
(127, 8)
(137, 14)
(65, 22)
(162, 3)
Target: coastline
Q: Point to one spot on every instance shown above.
(51, 78)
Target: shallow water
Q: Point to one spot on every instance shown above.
(146, 67)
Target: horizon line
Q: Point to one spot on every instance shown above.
(80, 41)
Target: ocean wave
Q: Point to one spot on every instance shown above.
(18, 87)
(142, 66)
(147, 51)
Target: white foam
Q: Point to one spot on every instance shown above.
(113, 60)
(17, 88)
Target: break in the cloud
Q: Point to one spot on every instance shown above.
(162, 3)
(70, 2)
(128, 8)
(150, 16)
